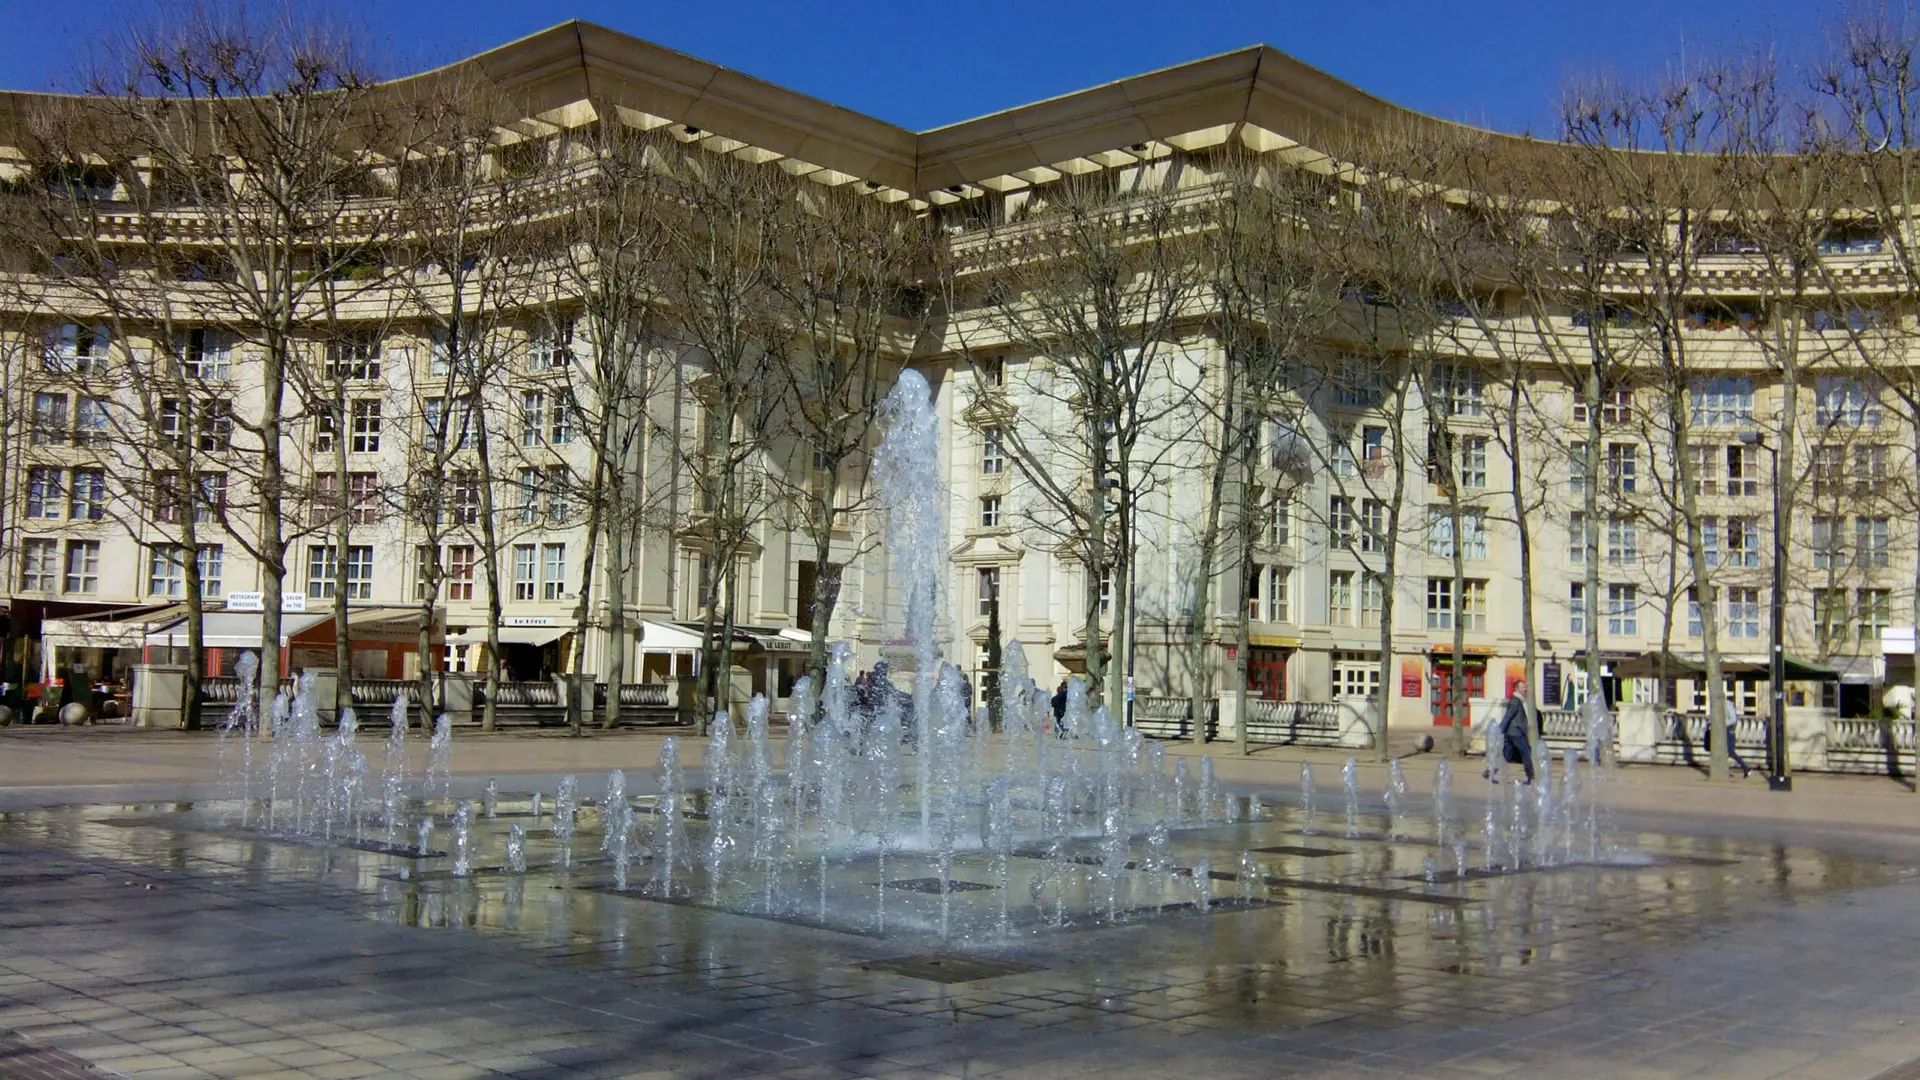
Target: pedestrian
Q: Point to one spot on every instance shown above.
(1516, 745)
(1060, 705)
(1729, 712)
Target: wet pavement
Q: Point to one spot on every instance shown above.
(173, 940)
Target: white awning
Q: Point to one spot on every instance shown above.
(232, 629)
(511, 635)
(666, 637)
(91, 634)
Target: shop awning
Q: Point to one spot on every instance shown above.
(1648, 666)
(666, 637)
(510, 635)
(232, 629)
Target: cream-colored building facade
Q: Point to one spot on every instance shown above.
(75, 550)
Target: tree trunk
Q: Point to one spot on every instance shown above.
(272, 541)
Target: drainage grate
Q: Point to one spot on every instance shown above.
(948, 969)
(1296, 849)
(932, 885)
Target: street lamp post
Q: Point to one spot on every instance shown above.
(1779, 771)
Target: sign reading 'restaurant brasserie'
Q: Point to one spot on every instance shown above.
(295, 602)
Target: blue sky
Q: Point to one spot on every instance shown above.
(1497, 63)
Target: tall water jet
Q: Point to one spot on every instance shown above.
(906, 470)
(1395, 796)
(1442, 801)
(620, 841)
(516, 849)
(393, 769)
(565, 801)
(440, 756)
(490, 798)
(669, 835)
(463, 839)
(1306, 792)
(1250, 878)
(1350, 780)
(1205, 795)
(611, 804)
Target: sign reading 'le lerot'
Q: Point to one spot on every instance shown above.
(528, 620)
(294, 602)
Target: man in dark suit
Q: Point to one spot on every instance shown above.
(1516, 745)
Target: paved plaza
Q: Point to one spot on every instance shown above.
(146, 929)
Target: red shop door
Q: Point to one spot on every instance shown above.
(1475, 682)
(1267, 673)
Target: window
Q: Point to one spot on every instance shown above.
(553, 571)
(1869, 468)
(1827, 554)
(1623, 610)
(166, 570)
(89, 495)
(1695, 625)
(326, 497)
(529, 496)
(1743, 613)
(1623, 541)
(1473, 534)
(325, 430)
(212, 559)
(1340, 521)
(1373, 599)
(1577, 467)
(458, 570)
(990, 512)
(172, 422)
(39, 565)
(210, 498)
(439, 354)
(560, 431)
(1616, 406)
(466, 497)
(1280, 523)
(364, 420)
(354, 357)
(363, 498)
(207, 355)
(987, 588)
(1722, 401)
(1829, 468)
(1373, 525)
(77, 350)
(360, 572)
(1355, 384)
(216, 425)
(1106, 591)
(1340, 597)
(1874, 608)
(554, 484)
(1356, 675)
(1373, 452)
(1622, 466)
(50, 423)
(1743, 542)
(1279, 594)
(1473, 461)
(1473, 605)
(322, 572)
(1577, 538)
(1439, 603)
(1577, 610)
(1743, 470)
(992, 374)
(523, 572)
(45, 493)
(1870, 542)
(993, 458)
(1439, 533)
(1458, 390)
(550, 345)
(91, 424)
(1844, 402)
(83, 566)
(533, 414)
(1283, 445)
(1830, 615)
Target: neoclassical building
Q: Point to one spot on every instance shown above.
(86, 547)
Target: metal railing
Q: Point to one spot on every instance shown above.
(1171, 717)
